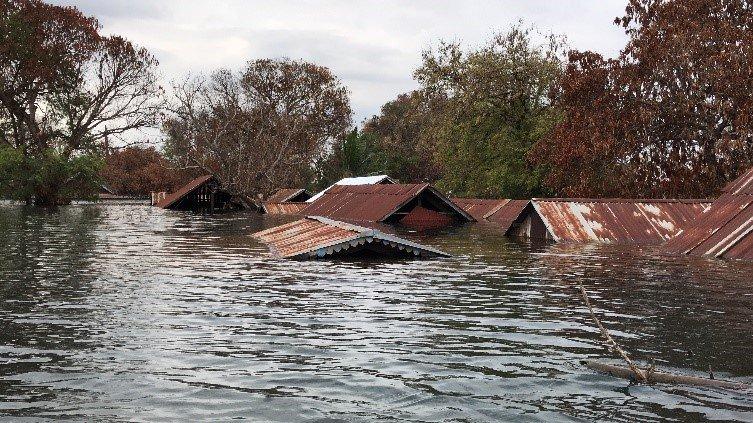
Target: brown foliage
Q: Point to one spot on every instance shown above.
(65, 88)
(138, 171)
(260, 130)
(669, 117)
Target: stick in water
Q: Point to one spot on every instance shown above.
(640, 375)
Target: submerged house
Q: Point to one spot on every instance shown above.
(501, 213)
(617, 221)
(725, 230)
(351, 220)
(203, 194)
(419, 206)
(319, 237)
(360, 180)
(286, 201)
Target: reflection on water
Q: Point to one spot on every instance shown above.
(134, 313)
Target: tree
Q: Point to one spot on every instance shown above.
(138, 171)
(261, 129)
(356, 154)
(404, 133)
(496, 107)
(64, 88)
(670, 116)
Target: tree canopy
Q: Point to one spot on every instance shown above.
(65, 88)
(670, 117)
(258, 130)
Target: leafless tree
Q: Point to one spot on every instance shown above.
(258, 130)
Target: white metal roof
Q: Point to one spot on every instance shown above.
(360, 180)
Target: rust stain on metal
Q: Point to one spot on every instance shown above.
(382, 203)
(612, 220)
(283, 208)
(185, 190)
(319, 237)
(725, 230)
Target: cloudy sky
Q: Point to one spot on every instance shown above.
(373, 47)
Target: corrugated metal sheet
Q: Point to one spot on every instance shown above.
(183, 191)
(501, 212)
(359, 180)
(289, 194)
(283, 208)
(616, 221)
(725, 229)
(319, 237)
(479, 208)
(507, 214)
(375, 203)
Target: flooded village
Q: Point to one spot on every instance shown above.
(318, 212)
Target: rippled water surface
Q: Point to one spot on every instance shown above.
(111, 312)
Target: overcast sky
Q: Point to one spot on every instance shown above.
(373, 47)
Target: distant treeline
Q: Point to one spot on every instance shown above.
(520, 116)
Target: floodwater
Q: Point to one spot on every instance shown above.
(112, 312)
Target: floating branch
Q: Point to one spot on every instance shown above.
(649, 375)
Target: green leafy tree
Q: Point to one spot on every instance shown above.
(356, 154)
(404, 132)
(49, 174)
(496, 107)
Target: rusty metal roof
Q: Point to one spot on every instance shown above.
(616, 220)
(374, 203)
(359, 180)
(318, 237)
(288, 194)
(501, 212)
(479, 208)
(186, 189)
(283, 208)
(725, 229)
(506, 215)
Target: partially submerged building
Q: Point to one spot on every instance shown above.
(203, 194)
(617, 221)
(418, 206)
(725, 230)
(286, 201)
(319, 237)
(499, 212)
(289, 195)
(360, 180)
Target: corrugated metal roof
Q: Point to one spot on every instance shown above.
(616, 220)
(501, 212)
(283, 208)
(506, 214)
(183, 191)
(287, 194)
(479, 208)
(318, 237)
(725, 229)
(374, 203)
(359, 180)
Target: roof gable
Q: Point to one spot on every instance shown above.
(376, 203)
(185, 190)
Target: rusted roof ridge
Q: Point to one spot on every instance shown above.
(623, 200)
